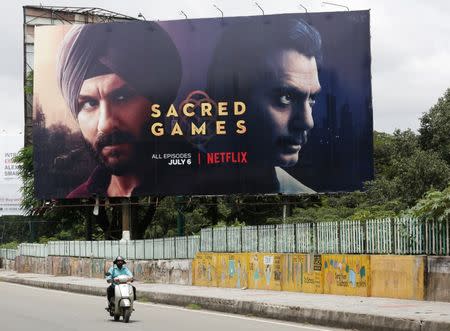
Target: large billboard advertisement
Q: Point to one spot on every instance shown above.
(252, 105)
(10, 182)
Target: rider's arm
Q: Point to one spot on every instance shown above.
(110, 277)
(129, 273)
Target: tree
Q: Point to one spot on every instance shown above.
(435, 128)
(435, 205)
(26, 172)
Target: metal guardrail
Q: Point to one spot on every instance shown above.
(383, 236)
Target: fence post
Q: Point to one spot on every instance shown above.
(275, 230)
(212, 239)
(295, 238)
(315, 238)
(240, 234)
(226, 239)
(393, 235)
(339, 237)
(257, 238)
(164, 248)
(364, 231)
(448, 238)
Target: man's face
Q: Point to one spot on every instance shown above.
(119, 264)
(112, 117)
(283, 104)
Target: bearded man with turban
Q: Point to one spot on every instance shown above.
(110, 75)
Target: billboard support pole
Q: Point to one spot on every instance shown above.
(126, 220)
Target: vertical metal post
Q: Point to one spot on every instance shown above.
(240, 234)
(226, 239)
(393, 236)
(275, 230)
(126, 219)
(448, 238)
(295, 238)
(316, 239)
(339, 237)
(257, 238)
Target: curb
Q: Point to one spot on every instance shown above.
(363, 322)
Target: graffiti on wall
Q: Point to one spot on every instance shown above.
(302, 273)
(204, 269)
(346, 274)
(265, 271)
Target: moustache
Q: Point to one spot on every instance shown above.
(298, 139)
(114, 138)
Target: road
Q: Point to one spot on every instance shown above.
(29, 308)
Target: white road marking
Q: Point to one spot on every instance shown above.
(231, 315)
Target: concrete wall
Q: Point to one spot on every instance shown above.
(438, 278)
(399, 277)
(265, 271)
(346, 274)
(164, 271)
(394, 276)
(7, 264)
(161, 271)
(406, 277)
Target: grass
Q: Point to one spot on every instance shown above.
(194, 306)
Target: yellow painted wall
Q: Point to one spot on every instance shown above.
(232, 270)
(398, 276)
(342, 274)
(265, 271)
(302, 273)
(204, 269)
(346, 274)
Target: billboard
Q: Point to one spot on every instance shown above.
(252, 105)
(10, 182)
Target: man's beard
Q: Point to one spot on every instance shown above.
(123, 167)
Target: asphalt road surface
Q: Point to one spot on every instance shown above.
(29, 308)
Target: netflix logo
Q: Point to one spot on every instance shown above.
(223, 157)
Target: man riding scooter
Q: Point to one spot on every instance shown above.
(118, 269)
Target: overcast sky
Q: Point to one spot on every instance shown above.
(410, 48)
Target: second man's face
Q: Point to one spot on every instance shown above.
(283, 103)
(112, 116)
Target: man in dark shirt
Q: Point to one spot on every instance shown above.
(110, 75)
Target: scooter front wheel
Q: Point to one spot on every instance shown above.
(116, 317)
(126, 315)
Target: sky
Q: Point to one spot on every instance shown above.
(409, 44)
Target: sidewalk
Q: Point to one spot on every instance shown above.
(374, 314)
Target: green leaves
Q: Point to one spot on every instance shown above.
(434, 206)
(435, 128)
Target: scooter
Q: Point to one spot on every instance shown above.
(122, 302)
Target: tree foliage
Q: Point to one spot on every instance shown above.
(434, 206)
(435, 128)
(412, 172)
